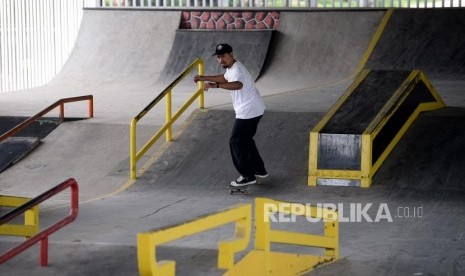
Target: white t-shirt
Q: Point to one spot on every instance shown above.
(246, 101)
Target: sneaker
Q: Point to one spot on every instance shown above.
(242, 181)
(261, 174)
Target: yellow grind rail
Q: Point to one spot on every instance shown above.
(135, 155)
(31, 218)
(147, 242)
(261, 260)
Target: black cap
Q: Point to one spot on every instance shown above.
(222, 49)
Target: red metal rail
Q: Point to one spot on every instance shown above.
(60, 103)
(43, 235)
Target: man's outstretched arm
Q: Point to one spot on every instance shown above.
(218, 82)
(218, 78)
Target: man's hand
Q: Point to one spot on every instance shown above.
(198, 78)
(206, 85)
(209, 85)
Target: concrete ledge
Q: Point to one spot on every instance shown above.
(351, 142)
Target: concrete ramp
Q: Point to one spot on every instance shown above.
(430, 40)
(315, 48)
(351, 142)
(200, 160)
(115, 48)
(118, 57)
(249, 46)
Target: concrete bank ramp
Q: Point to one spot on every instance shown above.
(430, 40)
(427, 39)
(315, 48)
(199, 161)
(118, 48)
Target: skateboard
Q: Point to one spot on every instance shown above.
(235, 190)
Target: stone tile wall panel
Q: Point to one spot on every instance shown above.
(245, 20)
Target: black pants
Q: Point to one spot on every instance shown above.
(244, 153)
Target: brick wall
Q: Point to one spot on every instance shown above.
(241, 20)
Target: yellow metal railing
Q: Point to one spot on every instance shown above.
(265, 207)
(261, 260)
(170, 119)
(148, 242)
(31, 218)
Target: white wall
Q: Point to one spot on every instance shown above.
(36, 38)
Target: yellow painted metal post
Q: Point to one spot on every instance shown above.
(200, 84)
(31, 218)
(146, 256)
(332, 231)
(227, 249)
(132, 149)
(365, 180)
(313, 158)
(168, 117)
(262, 225)
(263, 261)
(262, 229)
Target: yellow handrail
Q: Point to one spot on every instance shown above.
(264, 261)
(261, 260)
(135, 155)
(264, 207)
(148, 242)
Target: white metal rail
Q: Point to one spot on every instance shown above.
(36, 38)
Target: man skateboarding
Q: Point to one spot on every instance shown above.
(249, 109)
